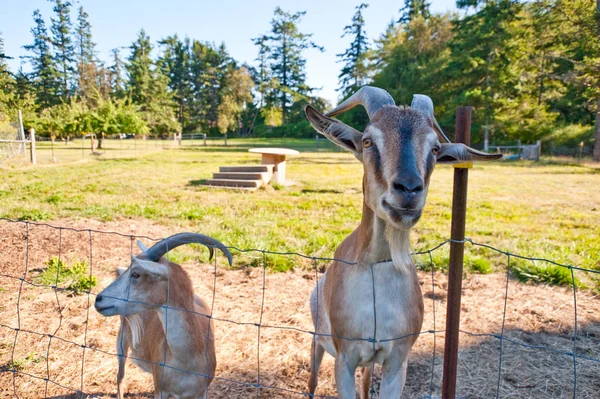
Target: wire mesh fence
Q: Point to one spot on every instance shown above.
(11, 141)
(517, 340)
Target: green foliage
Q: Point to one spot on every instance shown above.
(284, 46)
(74, 277)
(547, 273)
(64, 49)
(355, 70)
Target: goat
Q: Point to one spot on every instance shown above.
(166, 326)
(371, 310)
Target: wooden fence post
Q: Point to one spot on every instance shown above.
(32, 146)
(457, 252)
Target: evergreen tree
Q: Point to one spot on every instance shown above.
(139, 69)
(6, 85)
(44, 75)
(415, 58)
(149, 88)
(355, 70)
(62, 44)
(85, 47)
(175, 64)
(263, 76)
(208, 66)
(116, 74)
(288, 66)
(412, 9)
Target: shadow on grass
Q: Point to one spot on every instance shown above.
(197, 183)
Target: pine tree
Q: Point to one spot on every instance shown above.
(115, 74)
(355, 70)
(139, 69)
(414, 8)
(175, 64)
(84, 45)
(62, 43)
(44, 75)
(149, 88)
(6, 85)
(288, 65)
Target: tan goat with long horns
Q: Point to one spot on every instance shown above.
(371, 310)
(165, 325)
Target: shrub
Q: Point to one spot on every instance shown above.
(549, 274)
(74, 278)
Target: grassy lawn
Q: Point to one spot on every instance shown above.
(545, 209)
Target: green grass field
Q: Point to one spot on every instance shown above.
(544, 209)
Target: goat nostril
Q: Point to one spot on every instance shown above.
(408, 188)
(99, 298)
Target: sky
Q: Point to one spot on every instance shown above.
(116, 23)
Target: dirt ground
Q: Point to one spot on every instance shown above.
(535, 315)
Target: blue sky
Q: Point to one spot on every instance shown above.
(116, 23)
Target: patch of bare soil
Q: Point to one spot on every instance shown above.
(538, 316)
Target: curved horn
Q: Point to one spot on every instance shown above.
(372, 98)
(424, 104)
(162, 247)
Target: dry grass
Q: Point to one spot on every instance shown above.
(536, 315)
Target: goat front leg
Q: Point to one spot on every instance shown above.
(394, 373)
(316, 356)
(345, 368)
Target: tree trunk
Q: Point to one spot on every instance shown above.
(597, 132)
(100, 137)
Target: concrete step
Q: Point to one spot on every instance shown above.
(234, 183)
(264, 176)
(233, 188)
(247, 168)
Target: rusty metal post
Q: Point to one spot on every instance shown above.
(32, 149)
(457, 249)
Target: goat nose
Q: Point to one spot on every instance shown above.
(410, 185)
(99, 298)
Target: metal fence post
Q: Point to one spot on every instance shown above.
(457, 249)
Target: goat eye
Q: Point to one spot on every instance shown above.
(367, 143)
(435, 150)
(135, 276)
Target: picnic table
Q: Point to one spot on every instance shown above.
(275, 157)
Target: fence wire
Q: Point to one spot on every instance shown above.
(80, 391)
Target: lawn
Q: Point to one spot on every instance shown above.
(544, 209)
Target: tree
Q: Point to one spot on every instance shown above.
(85, 47)
(286, 45)
(236, 93)
(44, 75)
(175, 64)
(62, 44)
(115, 74)
(6, 84)
(414, 8)
(149, 88)
(355, 68)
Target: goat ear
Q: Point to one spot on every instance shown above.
(458, 153)
(337, 132)
(142, 246)
(151, 267)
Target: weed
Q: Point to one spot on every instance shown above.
(549, 274)
(74, 278)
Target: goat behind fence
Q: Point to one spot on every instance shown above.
(520, 345)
